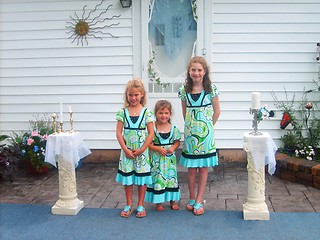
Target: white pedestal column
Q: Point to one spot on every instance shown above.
(68, 203)
(255, 208)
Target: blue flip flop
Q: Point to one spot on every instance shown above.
(198, 209)
(190, 204)
(126, 212)
(141, 212)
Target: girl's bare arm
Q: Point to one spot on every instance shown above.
(148, 141)
(174, 146)
(183, 105)
(119, 128)
(216, 109)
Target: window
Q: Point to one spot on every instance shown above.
(172, 36)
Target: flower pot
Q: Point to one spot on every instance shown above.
(33, 170)
(289, 151)
(41, 170)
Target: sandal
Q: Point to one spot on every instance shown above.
(126, 212)
(198, 209)
(190, 204)
(141, 212)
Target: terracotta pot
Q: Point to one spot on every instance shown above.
(41, 170)
(33, 170)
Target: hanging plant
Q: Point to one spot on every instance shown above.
(153, 73)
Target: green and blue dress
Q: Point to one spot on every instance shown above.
(199, 148)
(165, 185)
(134, 171)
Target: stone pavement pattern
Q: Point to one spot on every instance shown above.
(96, 186)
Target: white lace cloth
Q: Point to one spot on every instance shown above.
(263, 151)
(70, 146)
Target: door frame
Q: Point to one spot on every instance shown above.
(140, 18)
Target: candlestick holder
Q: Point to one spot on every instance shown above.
(255, 122)
(54, 117)
(71, 123)
(61, 127)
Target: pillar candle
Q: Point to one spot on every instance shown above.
(61, 112)
(255, 100)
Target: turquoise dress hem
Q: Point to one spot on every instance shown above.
(199, 162)
(129, 180)
(163, 197)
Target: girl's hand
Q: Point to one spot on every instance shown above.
(162, 151)
(129, 153)
(137, 153)
(170, 150)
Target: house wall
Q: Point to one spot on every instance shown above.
(265, 46)
(261, 46)
(255, 46)
(39, 64)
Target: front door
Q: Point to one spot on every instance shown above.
(175, 34)
(171, 32)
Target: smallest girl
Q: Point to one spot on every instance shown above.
(134, 133)
(163, 159)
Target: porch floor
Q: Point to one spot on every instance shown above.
(96, 186)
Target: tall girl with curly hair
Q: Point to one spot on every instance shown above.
(201, 110)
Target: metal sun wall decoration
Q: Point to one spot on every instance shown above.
(82, 27)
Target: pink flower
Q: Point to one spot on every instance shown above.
(34, 133)
(30, 141)
(45, 137)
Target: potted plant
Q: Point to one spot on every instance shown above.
(9, 158)
(304, 117)
(32, 144)
(290, 141)
(303, 138)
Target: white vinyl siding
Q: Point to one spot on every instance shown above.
(39, 64)
(261, 46)
(254, 45)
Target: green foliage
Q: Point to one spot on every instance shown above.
(9, 158)
(153, 73)
(32, 143)
(42, 124)
(291, 140)
(3, 137)
(304, 136)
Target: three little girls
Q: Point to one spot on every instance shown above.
(136, 133)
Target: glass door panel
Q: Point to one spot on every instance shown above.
(172, 34)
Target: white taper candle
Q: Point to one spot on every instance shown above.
(61, 112)
(255, 100)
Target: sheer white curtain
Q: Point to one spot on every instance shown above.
(172, 35)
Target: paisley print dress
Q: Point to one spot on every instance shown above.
(199, 148)
(134, 171)
(165, 185)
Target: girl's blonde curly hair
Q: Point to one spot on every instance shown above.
(138, 84)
